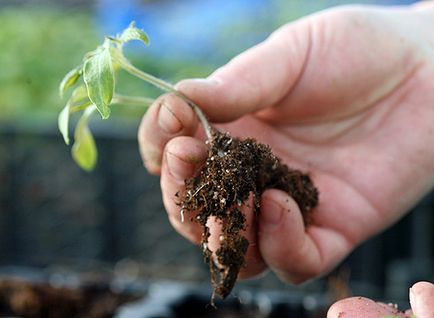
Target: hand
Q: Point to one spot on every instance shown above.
(421, 299)
(346, 95)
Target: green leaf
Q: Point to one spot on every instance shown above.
(84, 149)
(69, 80)
(63, 123)
(78, 101)
(132, 33)
(99, 79)
(79, 98)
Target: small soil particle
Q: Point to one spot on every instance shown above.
(235, 170)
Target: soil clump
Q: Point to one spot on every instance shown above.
(235, 170)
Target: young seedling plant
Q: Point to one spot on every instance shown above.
(235, 172)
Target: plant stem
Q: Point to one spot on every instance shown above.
(117, 99)
(132, 100)
(79, 107)
(165, 86)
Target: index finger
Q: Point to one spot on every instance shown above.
(257, 78)
(168, 117)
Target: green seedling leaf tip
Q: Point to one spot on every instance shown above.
(84, 149)
(79, 99)
(133, 33)
(69, 80)
(98, 76)
(63, 123)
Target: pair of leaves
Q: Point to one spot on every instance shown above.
(99, 78)
(132, 33)
(84, 149)
(78, 100)
(98, 73)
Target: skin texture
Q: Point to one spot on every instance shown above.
(347, 95)
(421, 299)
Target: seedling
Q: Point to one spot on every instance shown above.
(234, 170)
(97, 92)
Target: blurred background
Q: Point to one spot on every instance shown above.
(54, 216)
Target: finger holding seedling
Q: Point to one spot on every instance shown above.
(182, 157)
(168, 117)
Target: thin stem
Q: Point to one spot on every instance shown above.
(117, 99)
(165, 86)
(132, 100)
(79, 107)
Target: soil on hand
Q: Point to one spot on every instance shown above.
(31, 300)
(235, 170)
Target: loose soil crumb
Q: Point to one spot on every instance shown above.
(235, 170)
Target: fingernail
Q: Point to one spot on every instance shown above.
(168, 121)
(178, 168)
(272, 213)
(413, 298)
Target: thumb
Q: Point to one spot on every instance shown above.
(422, 299)
(258, 78)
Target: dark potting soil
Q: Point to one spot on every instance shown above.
(229, 313)
(235, 170)
(32, 300)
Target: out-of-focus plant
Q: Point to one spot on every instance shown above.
(98, 71)
(37, 47)
(35, 44)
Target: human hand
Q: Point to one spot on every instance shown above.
(421, 299)
(346, 95)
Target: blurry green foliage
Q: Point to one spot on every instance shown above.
(39, 45)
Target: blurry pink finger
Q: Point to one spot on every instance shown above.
(357, 307)
(422, 299)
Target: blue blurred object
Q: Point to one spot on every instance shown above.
(396, 2)
(206, 30)
(184, 29)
